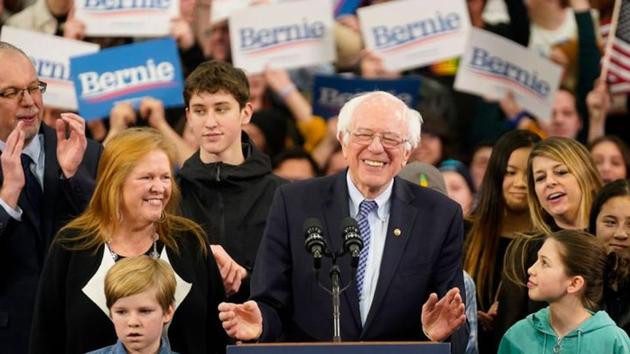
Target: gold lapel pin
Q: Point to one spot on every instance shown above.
(397, 232)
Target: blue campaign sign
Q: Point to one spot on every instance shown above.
(346, 7)
(330, 92)
(127, 74)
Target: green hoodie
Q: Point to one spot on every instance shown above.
(596, 335)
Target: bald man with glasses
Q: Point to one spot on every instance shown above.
(47, 177)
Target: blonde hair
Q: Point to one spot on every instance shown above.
(101, 217)
(134, 275)
(579, 163)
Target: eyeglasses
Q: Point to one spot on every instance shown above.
(10, 93)
(388, 140)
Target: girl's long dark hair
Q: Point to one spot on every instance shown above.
(483, 239)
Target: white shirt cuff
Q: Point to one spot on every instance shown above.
(14, 213)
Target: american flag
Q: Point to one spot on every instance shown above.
(619, 67)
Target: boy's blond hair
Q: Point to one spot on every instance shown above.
(134, 275)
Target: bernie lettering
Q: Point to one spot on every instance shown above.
(332, 97)
(385, 36)
(93, 84)
(104, 5)
(482, 60)
(50, 69)
(268, 37)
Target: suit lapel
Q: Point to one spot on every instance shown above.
(401, 217)
(336, 208)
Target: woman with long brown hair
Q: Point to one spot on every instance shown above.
(501, 211)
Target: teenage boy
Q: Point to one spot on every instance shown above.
(227, 186)
(140, 294)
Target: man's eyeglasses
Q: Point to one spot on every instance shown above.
(388, 140)
(10, 93)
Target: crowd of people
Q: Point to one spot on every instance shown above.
(163, 230)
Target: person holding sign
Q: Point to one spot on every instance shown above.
(414, 252)
(47, 178)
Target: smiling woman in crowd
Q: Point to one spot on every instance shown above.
(130, 214)
(562, 182)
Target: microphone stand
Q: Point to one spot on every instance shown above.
(335, 275)
(335, 291)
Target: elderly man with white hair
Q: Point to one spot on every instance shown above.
(412, 245)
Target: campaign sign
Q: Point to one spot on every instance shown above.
(287, 34)
(330, 92)
(492, 65)
(221, 10)
(413, 33)
(127, 74)
(126, 18)
(51, 57)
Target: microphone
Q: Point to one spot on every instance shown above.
(315, 243)
(352, 241)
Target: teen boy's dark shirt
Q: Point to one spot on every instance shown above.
(231, 203)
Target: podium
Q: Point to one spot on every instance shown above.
(342, 348)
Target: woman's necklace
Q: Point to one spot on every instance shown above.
(153, 254)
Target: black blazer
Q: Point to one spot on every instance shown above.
(24, 244)
(425, 257)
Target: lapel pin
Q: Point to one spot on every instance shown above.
(397, 232)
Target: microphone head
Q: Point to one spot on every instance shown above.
(352, 241)
(312, 225)
(315, 243)
(348, 222)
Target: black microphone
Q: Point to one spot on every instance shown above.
(352, 241)
(315, 243)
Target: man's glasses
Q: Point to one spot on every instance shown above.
(388, 140)
(37, 87)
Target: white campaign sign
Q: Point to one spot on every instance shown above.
(413, 33)
(51, 57)
(126, 18)
(285, 35)
(492, 65)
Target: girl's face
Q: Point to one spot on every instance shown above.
(548, 280)
(609, 161)
(557, 190)
(613, 225)
(515, 180)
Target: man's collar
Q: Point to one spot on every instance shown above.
(356, 197)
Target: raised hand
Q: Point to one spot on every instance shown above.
(277, 79)
(13, 174)
(441, 318)
(73, 28)
(241, 321)
(70, 147)
(183, 34)
(231, 272)
(152, 110)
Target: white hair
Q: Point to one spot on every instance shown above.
(413, 119)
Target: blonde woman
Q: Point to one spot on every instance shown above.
(562, 182)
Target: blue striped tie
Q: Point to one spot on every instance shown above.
(365, 208)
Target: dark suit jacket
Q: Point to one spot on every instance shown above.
(424, 258)
(24, 244)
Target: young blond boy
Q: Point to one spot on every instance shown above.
(140, 293)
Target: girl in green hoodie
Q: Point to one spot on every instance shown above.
(569, 275)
